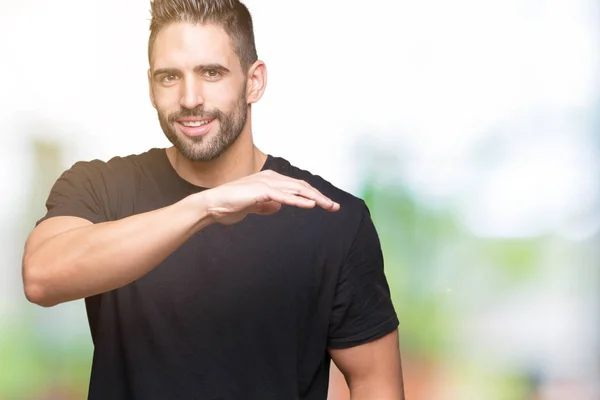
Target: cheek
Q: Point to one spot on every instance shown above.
(166, 99)
(223, 96)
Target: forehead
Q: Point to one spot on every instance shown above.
(185, 45)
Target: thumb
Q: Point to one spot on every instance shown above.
(269, 207)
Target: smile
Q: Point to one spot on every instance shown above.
(191, 124)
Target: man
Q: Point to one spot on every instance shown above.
(211, 270)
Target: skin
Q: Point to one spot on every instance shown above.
(372, 371)
(69, 258)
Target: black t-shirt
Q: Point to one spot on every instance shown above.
(246, 311)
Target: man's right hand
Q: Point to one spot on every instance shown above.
(261, 193)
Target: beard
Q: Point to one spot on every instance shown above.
(209, 146)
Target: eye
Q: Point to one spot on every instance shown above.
(212, 74)
(169, 79)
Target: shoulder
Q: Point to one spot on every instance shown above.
(353, 210)
(285, 167)
(115, 168)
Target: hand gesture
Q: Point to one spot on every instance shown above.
(262, 193)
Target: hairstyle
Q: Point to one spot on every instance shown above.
(232, 15)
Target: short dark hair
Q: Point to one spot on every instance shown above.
(232, 15)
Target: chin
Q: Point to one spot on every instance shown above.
(199, 153)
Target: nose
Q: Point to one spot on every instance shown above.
(191, 96)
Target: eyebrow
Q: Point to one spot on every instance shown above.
(197, 68)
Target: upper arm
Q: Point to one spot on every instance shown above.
(77, 198)
(372, 366)
(362, 308)
(363, 336)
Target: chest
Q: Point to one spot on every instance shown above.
(264, 265)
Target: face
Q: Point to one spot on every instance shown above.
(199, 89)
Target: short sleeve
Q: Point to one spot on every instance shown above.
(79, 192)
(362, 308)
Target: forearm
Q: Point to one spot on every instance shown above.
(85, 261)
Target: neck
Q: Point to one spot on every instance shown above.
(241, 159)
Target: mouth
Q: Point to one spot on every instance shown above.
(195, 127)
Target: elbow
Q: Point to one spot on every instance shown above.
(35, 294)
(35, 287)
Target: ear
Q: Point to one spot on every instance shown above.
(151, 91)
(257, 82)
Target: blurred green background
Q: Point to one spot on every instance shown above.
(473, 136)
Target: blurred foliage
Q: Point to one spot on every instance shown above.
(33, 363)
(437, 270)
(34, 369)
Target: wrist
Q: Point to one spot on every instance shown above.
(197, 205)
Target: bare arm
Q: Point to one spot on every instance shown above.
(338, 388)
(373, 370)
(69, 258)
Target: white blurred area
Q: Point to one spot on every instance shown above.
(489, 105)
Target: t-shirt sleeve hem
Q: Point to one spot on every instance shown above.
(369, 335)
(58, 212)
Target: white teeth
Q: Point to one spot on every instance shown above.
(194, 123)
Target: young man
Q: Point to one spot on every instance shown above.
(211, 270)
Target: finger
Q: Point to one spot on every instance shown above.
(315, 190)
(299, 187)
(308, 185)
(309, 192)
(290, 199)
(275, 179)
